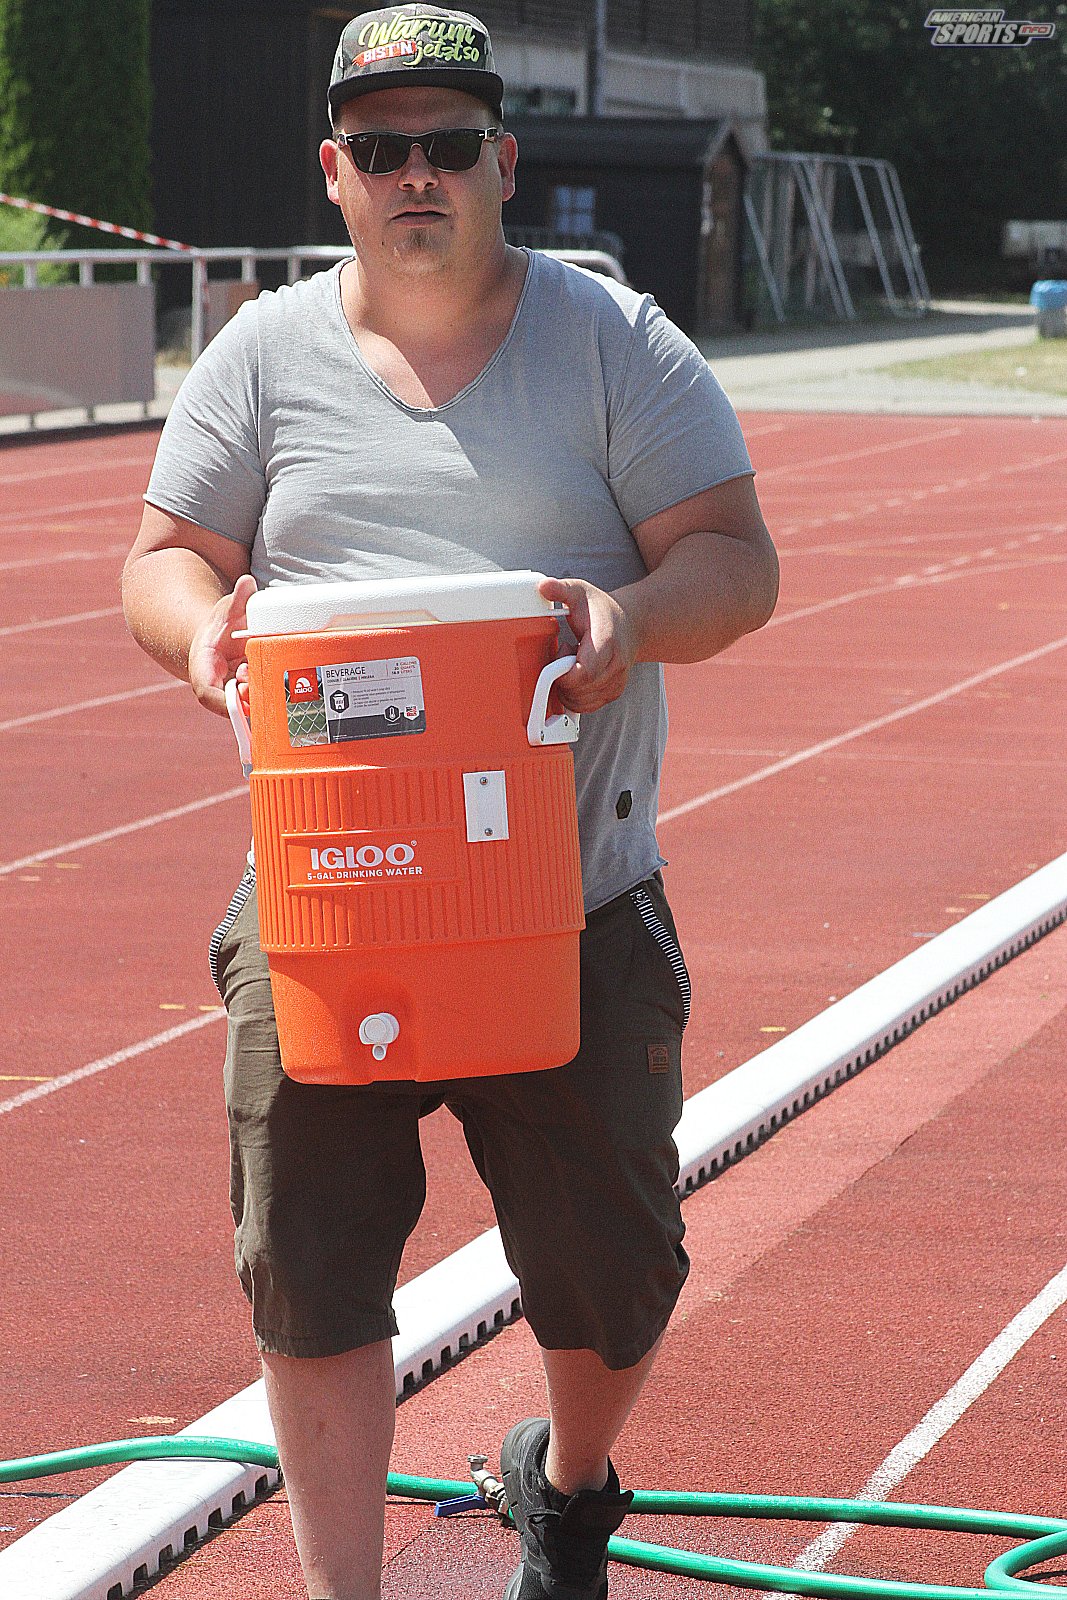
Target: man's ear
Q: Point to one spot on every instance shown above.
(507, 158)
(329, 160)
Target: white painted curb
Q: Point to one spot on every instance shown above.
(98, 1547)
(730, 1116)
(103, 1543)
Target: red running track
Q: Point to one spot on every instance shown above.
(838, 1280)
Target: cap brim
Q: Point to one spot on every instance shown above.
(487, 86)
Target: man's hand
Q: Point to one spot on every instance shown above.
(607, 644)
(215, 655)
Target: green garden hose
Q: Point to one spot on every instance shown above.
(1046, 1536)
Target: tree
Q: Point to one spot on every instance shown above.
(978, 135)
(74, 107)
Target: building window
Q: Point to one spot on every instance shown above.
(573, 210)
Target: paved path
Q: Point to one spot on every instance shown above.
(852, 369)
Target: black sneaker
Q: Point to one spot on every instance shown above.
(564, 1537)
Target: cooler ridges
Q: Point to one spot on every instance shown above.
(528, 884)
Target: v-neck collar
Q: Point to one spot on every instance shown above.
(380, 383)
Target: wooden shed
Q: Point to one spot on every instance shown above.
(670, 190)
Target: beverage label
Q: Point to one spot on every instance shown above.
(354, 700)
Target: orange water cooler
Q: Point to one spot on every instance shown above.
(415, 827)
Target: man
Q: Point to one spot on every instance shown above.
(443, 402)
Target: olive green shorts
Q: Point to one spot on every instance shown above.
(328, 1182)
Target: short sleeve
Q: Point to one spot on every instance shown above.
(208, 466)
(671, 430)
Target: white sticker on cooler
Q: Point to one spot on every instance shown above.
(373, 699)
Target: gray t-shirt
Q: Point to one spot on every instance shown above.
(595, 413)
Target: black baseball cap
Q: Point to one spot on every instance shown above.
(414, 44)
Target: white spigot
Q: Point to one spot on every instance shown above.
(379, 1030)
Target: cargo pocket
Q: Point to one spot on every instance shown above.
(661, 933)
(241, 894)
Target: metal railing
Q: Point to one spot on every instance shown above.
(566, 239)
(86, 262)
(145, 261)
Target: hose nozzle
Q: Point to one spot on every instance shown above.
(491, 1489)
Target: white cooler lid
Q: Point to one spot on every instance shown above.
(397, 602)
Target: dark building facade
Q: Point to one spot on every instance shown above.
(240, 104)
(240, 95)
(720, 27)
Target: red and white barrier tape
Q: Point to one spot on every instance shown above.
(92, 222)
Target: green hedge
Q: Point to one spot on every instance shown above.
(75, 99)
(23, 230)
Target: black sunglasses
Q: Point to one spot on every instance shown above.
(447, 149)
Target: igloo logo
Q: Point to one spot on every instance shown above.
(335, 859)
(303, 684)
(374, 856)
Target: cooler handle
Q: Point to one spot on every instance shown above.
(541, 728)
(239, 723)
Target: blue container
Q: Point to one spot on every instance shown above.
(1049, 298)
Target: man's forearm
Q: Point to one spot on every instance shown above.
(708, 590)
(166, 595)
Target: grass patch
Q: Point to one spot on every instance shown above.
(1039, 366)
(998, 297)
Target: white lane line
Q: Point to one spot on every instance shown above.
(117, 833)
(113, 1060)
(1038, 461)
(89, 705)
(855, 455)
(59, 622)
(752, 433)
(912, 580)
(887, 543)
(65, 555)
(943, 1415)
(76, 468)
(857, 733)
(884, 504)
(45, 512)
